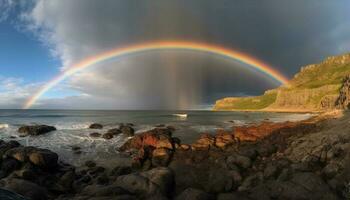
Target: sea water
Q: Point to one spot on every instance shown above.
(73, 128)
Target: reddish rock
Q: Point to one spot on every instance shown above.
(223, 138)
(155, 138)
(255, 132)
(204, 142)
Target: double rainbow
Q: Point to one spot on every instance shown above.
(162, 45)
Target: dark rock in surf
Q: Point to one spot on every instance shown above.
(114, 131)
(95, 134)
(127, 130)
(95, 126)
(107, 136)
(35, 130)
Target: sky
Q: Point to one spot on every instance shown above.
(39, 39)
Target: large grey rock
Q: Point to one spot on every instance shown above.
(194, 194)
(35, 130)
(155, 182)
(25, 188)
(242, 161)
(8, 195)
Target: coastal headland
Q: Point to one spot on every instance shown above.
(307, 159)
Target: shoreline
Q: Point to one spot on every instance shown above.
(248, 162)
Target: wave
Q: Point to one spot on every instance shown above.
(72, 126)
(3, 126)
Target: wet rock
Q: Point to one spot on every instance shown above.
(270, 171)
(146, 184)
(121, 170)
(185, 147)
(194, 194)
(35, 130)
(147, 139)
(27, 172)
(204, 142)
(224, 139)
(103, 191)
(127, 130)
(95, 134)
(114, 131)
(331, 170)
(231, 196)
(250, 182)
(5, 146)
(102, 180)
(8, 195)
(236, 177)
(65, 182)
(255, 132)
(306, 185)
(8, 165)
(242, 161)
(96, 126)
(161, 157)
(108, 136)
(90, 163)
(218, 182)
(161, 176)
(25, 188)
(43, 158)
(94, 171)
(76, 148)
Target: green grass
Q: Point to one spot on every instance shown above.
(254, 103)
(323, 75)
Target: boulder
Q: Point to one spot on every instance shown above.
(223, 139)
(43, 158)
(242, 161)
(108, 136)
(156, 182)
(194, 194)
(25, 188)
(8, 195)
(35, 130)
(127, 130)
(161, 176)
(95, 134)
(114, 131)
(96, 126)
(161, 157)
(153, 138)
(204, 142)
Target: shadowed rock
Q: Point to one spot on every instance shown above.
(35, 130)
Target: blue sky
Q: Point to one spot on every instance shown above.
(24, 56)
(286, 34)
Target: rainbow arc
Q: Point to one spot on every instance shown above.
(252, 62)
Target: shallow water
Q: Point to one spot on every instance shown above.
(72, 128)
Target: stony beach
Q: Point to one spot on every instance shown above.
(308, 159)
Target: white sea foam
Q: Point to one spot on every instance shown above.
(3, 126)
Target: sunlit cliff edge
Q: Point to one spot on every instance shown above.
(316, 88)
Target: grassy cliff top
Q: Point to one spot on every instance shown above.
(310, 80)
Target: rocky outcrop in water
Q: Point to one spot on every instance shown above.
(35, 130)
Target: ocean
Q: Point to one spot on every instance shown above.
(72, 128)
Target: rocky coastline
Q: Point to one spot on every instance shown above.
(308, 159)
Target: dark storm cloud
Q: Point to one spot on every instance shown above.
(284, 33)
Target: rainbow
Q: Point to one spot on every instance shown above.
(161, 45)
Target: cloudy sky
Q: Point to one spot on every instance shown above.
(41, 38)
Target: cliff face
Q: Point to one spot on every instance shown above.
(316, 87)
(343, 100)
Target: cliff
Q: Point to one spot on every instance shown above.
(316, 87)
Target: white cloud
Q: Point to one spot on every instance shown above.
(14, 92)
